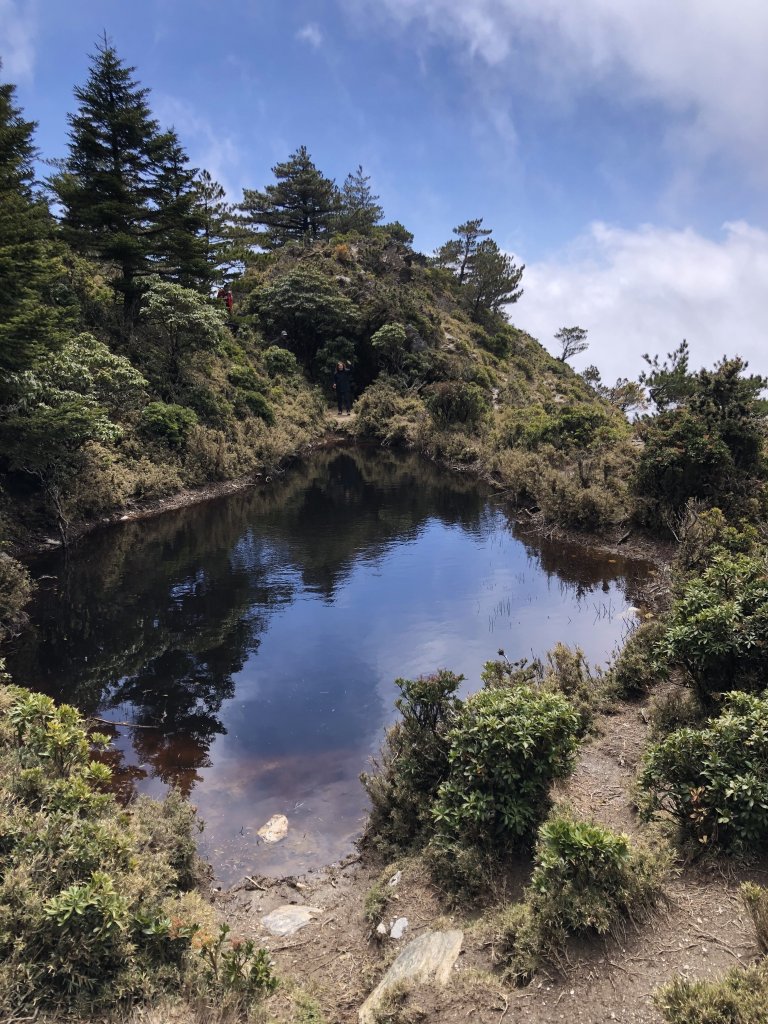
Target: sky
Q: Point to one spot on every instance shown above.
(618, 149)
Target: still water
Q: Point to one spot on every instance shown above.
(252, 642)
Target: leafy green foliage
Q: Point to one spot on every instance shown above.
(506, 749)
(169, 424)
(15, 591)
(90, 905)
(414, 760)
(279, 362)
(637, 667)
(235, 973)
(738, 998)
(586, 879)
(456, 402)
(717, 629)
(714, 781)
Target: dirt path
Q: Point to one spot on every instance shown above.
(333, 960)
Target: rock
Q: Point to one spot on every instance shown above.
(395, 879)
(427, 960)
(275, 829)
(399, 928)
(289, 919)
(381, 929)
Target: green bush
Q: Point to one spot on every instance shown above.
(279, 362)
(414, 760)
(15, 592)
(506, 749)
(586, 879)
(739, 998)
(636, 668)
(387, 416)
(257, 405)
(454, 402)
(714, 781)
(169, 424)
(755, 899)
(717, 629)
(247, 378)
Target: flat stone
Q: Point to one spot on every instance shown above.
(399, 928)
(289, 919)
(275, 829)
(395, 879)
(428, 959)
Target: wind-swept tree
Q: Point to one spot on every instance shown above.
(573, 341)
(359, 208)
(106, 183)
(457, 253)
(299, 206)
(492, 280)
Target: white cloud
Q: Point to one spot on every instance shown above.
(17, 31)
(209, 146)
(646, 290)
(311, 34)
(703, 59)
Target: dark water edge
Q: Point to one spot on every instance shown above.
(253, 641)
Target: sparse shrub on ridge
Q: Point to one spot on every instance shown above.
(740, 997)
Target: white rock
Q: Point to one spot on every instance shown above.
(289, 919)
(428, 959)
(395, 879)
(275, 829)
(399, 928)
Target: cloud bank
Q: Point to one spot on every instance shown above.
(17, 30)
(646, 290)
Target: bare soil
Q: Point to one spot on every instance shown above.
(700, 932)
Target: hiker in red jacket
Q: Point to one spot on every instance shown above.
(225, 293)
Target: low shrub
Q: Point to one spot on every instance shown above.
(637, 669)
(717, 629)
(15, 592)
(279, 362)
(739, 998)
(169, 424)
(454, 402)
(755, 899)
(413, 762)
(505, 750)
(388, 416)
(586, 879)
(675, 709)
(256, 404)
(714, 781)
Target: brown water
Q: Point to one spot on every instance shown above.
(252, 642)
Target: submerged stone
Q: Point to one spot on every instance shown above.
(427, 960)
(275, 829)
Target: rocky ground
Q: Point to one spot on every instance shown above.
(331, 958)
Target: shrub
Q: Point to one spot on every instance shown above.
(636, 668)
(714, 781)
(455, 402)
(506, 748)
(739, 998)
(717, 629)
(257, 405)
(15, 592)
(247, 378)
(675, 709)
(755, 899)
(586, 879)
(169, 424)
(387, 416)
(414, 760)
(279, 362)
(235, 973)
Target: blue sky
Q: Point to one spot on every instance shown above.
(619, 149)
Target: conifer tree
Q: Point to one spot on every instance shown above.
(176, 239)
(359, 208)
(492, 279)
(298, 207)
(32, 323)
(457, 253)
(106, 182)
(219, 230)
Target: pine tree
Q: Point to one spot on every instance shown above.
(298, 207)
(359, 208)
(492, 279)
(219, 230)
(106, 183)
(176, 238)
(457, 253)
(32, 323)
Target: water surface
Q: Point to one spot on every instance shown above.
(252, 642)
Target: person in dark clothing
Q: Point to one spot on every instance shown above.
(342, 385)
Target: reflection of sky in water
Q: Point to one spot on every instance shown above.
(300, 668)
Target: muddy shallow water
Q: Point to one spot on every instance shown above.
(252, 642)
